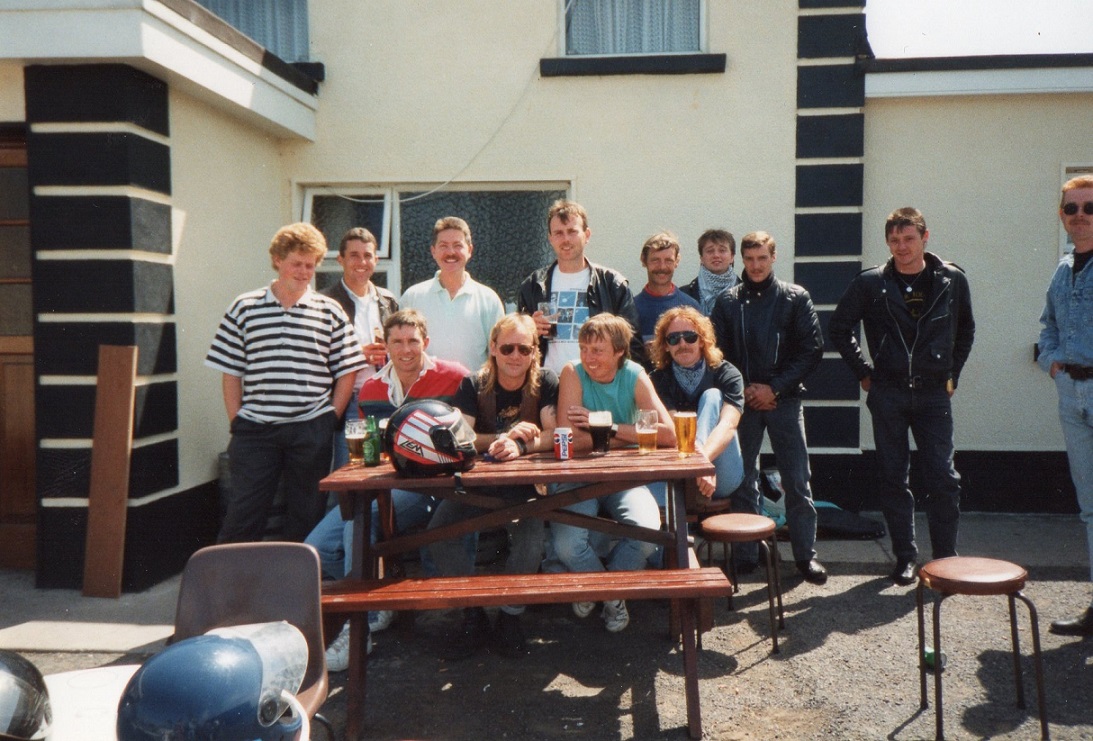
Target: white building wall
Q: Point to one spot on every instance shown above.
(227, 188)
(12, 102)
(986, 172)
(429, 91)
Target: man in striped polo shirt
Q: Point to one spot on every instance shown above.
(288, 356)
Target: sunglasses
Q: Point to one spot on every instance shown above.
(1072, 208)
(673, 338)
(507, 350)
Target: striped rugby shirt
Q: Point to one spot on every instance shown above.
(288, 358)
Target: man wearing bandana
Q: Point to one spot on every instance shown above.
(716, 251)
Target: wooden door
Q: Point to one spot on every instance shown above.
(18, 508)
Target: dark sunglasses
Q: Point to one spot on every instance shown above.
(507, 350)
(1072, 208)
(673, 338)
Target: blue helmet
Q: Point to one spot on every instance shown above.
(226, 684)
(25, 713)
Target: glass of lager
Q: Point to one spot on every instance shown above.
(686, 424)
(354, 438)
(646, 428)
(599, 426)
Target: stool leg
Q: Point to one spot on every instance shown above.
(921, 645)
(939, 708)
(770, 594)
(778, 581)
(1016, 653)
(727, 553)
(1037, 662)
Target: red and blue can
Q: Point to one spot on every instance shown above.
(563, 443)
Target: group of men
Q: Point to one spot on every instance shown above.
(292, 360)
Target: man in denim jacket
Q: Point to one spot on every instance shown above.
(1066, 352)
(917, 314)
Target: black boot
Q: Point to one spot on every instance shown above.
(471, 636)
(1082, 625)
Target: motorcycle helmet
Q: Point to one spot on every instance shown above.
(25, 713)
(227, 684)
(428, 438)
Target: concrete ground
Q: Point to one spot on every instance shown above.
(847, 667)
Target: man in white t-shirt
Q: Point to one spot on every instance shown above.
(367, 306)
(460, 310)
(577, 288)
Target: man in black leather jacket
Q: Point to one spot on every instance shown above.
(768, 329)
(579, 289)
(917, 313)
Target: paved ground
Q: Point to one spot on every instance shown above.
(847, 668)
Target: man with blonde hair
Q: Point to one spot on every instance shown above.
(460, 310)
(511, 403)
(1066, 352)
(288, 357)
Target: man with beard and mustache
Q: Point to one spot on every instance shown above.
(660, 258)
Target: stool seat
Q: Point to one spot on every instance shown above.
(973, 576)
(737, 527)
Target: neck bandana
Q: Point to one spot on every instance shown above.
(711, 285)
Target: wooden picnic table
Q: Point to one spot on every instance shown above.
(358, 486)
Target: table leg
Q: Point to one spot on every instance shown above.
(686, 608)
(362, 563)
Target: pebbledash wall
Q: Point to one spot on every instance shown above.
(155, 191)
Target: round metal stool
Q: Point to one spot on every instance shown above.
(746, 528)
(976, 577)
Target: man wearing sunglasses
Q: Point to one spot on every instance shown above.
(511, 404)
(1066, 352)
(917, 313)
(768, 328)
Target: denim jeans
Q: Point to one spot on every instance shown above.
(1076, 416)
(785, 425)
(574, 546)
(928, 415)
(729, 465)
(333, 536)
(259, 456)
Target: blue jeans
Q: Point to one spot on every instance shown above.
(1076, 416)
(928, 415)
(333, 536)
(729, 465)
(785, 425)
(573, 546)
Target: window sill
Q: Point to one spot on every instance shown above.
(642, 64)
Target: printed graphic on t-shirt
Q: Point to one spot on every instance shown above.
(572, 312)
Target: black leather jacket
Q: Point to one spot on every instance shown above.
(387, 302)
(781, 317)
(608, 292)
(943, 335)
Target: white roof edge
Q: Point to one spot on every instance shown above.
(147, 35)
(929, 83)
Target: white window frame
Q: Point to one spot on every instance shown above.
(703, 41)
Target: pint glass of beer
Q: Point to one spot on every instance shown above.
(646, 428)
(354, 439)
(599, 427)
(686, 424)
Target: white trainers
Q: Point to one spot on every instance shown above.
(380, 620)
(583, 609)
(337, 655)
(615, 616)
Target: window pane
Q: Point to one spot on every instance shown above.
(14, 194)
(334, 215)
(508, 229)
(278, 25)
(15, 252)
(15, 310)
(632, 26)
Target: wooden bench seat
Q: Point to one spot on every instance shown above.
(350, 596)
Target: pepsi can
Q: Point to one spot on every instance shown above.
(563, 443)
